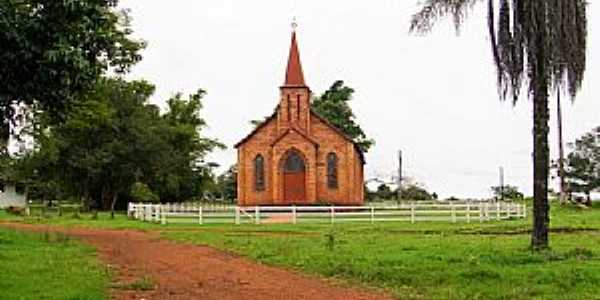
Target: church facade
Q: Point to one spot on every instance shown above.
(296, 157)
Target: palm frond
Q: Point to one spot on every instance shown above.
(532, 41)
(422, 22)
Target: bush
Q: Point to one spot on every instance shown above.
(13, 210)
(140, 192)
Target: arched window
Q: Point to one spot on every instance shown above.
(332, 181)
(259, 173)
(294, 163)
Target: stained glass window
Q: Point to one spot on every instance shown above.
(332, 181)
(259, 173)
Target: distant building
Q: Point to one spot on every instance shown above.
(10, 193)
(11, 196)
(296, 156)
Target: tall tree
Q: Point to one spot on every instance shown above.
(113, 146)
(583, 164)
(51, 50)
(541, 43)
(227, 184)
(507, 192)
(333, 106)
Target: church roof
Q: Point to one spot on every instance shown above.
(316, 115)
(294, 75)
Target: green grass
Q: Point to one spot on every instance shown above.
(414, 261)
(48, 266)
(431, 260)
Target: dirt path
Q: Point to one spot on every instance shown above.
(182, 271)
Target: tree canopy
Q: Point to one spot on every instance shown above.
(583, 164)
(113, 145)
(507, 192)
(333, 105)
(52, 50)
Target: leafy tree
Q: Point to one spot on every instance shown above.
(416, 192)
(113, 145)
(384, 192)
(507, 192)
(142, 193)
(52, 50)
(539, 43)
(227, 183)
(583, 164)
(182, 169)
(333, 106)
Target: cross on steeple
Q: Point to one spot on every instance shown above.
(294, 75)
(294, 24)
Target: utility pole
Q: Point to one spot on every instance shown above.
(561, 154)
(399, 173)
(501, 184)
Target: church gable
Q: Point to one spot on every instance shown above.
(268, 127)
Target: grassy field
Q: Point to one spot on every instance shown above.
(415, 261)
(48, 266)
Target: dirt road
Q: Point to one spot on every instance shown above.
(182, 271)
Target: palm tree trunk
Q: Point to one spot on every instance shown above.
(541, 161)
(541, 116)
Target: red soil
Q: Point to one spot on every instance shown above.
(183, 271)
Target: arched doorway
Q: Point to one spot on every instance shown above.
(294, 174)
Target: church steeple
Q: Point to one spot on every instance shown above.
(294, 105)
(294, 75)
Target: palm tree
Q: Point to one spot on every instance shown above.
(537, 43)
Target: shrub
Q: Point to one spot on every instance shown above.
(140, 192)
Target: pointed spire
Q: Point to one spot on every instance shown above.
(294, 75)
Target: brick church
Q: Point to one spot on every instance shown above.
(296, 156)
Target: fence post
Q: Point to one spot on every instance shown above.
(200, 216)
(453, 208)
(257, 214)
(237, 215)
(412, 212)
(372, 214)
(498, 211)
(508, 209)
(294, 214)
(468, 212)
(480, 212)
(163, 215)
(486, 211)
(332, 215)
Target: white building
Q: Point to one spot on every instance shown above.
(9, 194)
(10, 197)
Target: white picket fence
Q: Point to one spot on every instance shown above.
(409, 212)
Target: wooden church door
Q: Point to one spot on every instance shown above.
(294, 174)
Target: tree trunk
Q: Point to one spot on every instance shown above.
(541, 157)
(104, 202)
(588, 200)
(541, 162)
(84, 197)
(112, 205)
(561, 152)
(540, 79)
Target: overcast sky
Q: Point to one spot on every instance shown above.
(434, 97)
